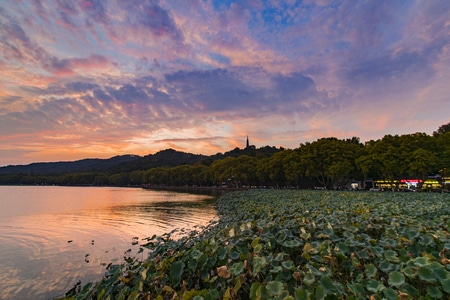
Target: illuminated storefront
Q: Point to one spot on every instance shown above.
(410, 183)
(431, 183)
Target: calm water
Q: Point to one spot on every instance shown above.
(51, 237)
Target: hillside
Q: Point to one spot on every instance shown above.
(128, 163)
(84, 165)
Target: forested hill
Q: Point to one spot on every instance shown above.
(129, 163)
(84, 165)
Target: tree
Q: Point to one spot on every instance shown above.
(330, 161)
(442, 129)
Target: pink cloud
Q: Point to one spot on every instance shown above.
(69, 66)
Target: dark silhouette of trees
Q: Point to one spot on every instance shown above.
(327, 162)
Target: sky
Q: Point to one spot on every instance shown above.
(99, 78)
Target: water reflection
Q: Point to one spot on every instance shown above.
(51, 237)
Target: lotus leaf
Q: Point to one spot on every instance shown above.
(274, 288)
(288, 264)
(434, 292)
(309, 278)
(409, 272)
(370, 270)
(386, 266)
(446, 285)
(421, 261)
(236, 268)
(176, 270)
(302, 293)
(258, 264)
(390, 294)
(356, 289)
(328, 284)
(384, 245)
(375, 286)
(426, 274)
(234, 255)
(396, 278)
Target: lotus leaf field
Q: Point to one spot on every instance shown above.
(292, 244)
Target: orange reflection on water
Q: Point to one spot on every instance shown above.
(50, 237)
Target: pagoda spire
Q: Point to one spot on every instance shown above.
(248, 144)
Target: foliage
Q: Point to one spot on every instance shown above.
(290, 244)
(327, 162)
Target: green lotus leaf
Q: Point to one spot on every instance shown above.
(309, 278)
(274, 288)
(192, 264)
(255, 242)
(390, 294)
(281, 236)
(421, 261)
(328, 284)
(439, 271)
(426, 274)
(441, 235)
(197, 298)
(396, 278)
(377, 251)
(234, 255)
(236, 268)
(434, 292)
(255, 290)
(412, 234)
(176, 270)
(342, 247)
(288, 264)
(302, 293)
(410, 290)
(446, 285)
(390, 232)
(196, 253)
(320, 292)
(221, 253)
(257, 248)
(426, 239)
(409, 272)
(202, 260)
(348, 235)
(390, 253)
(280, 257)
(292, 243)
(356, 289)
(258, 264)
(370, 271)
(351, 228)
(375, 286)
(386, 266)
(276, 269)
(392, 259)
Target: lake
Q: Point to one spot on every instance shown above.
(51, 236)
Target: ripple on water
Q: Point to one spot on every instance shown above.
(45, 252)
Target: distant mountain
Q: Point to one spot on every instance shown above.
(84, 165)
(128, 163)
(164, 158)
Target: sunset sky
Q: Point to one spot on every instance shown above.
(99, 78)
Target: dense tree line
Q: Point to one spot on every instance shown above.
(327, 162)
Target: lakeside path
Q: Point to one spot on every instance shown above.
(291, 244)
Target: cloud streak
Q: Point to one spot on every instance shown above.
(90, 78)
